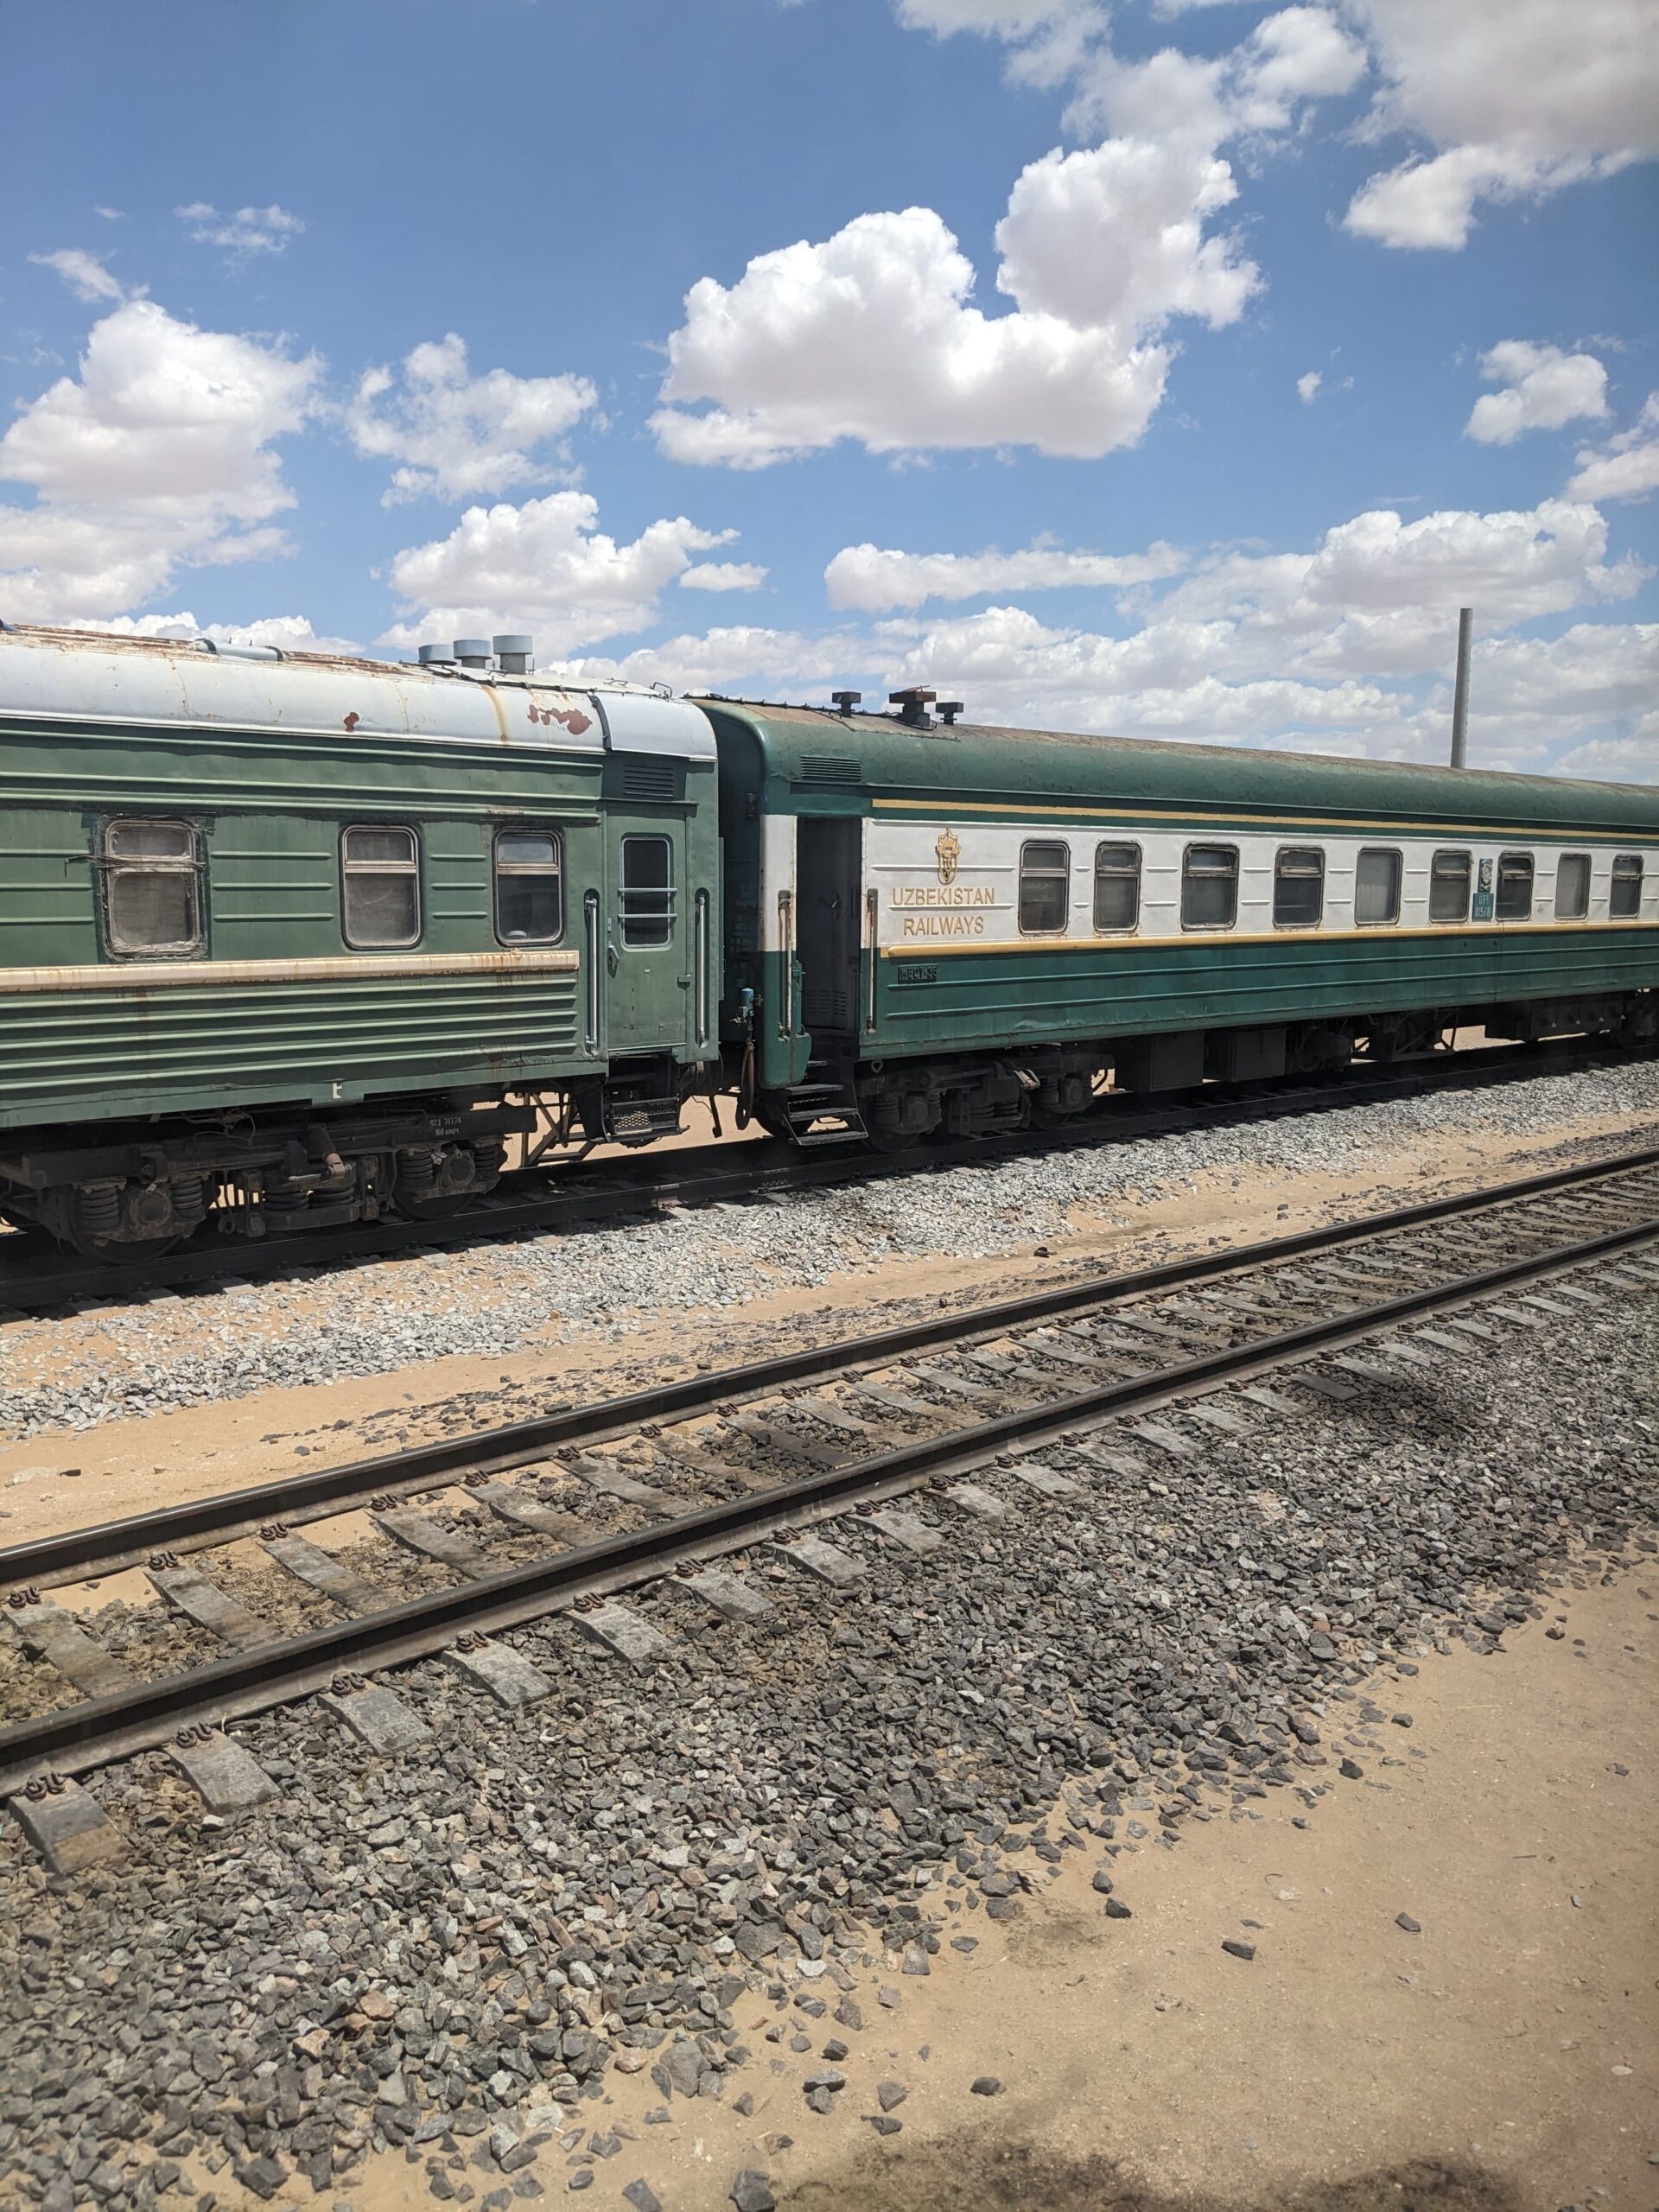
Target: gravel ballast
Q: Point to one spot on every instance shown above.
(450, 1953)
(601, 1285)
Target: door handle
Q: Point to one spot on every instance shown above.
(590, 917)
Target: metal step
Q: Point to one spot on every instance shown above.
(637, 1120)
(809, 1104)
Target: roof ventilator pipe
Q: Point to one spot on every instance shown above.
(949, 709)
(436, 655)
(473, 652)
(513, 654)
(912, 704)
(846, 700)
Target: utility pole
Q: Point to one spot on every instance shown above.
(1461, 695)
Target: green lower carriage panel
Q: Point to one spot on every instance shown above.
(929, 1003)
(166, 1050)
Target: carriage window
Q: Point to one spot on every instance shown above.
(1045, 885)
(647, 890)
(528, 903)
(1210, 887)
(380, 887)
(1376, 886)
(152, 887)
(1514, 886)
(1448, 887)
(1625, 896)
(1118, 886)
(1297, 887)
(1573, 888)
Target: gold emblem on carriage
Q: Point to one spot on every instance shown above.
(948, 851)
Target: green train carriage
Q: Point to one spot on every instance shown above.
(291, 940)
(954, 928)
(301, 940)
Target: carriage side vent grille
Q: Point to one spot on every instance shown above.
(648, 779)
(828, 768)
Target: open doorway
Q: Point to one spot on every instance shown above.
(827, 858)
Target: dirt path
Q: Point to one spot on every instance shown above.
(1503, 2057)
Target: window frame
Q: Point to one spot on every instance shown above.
(348, 868)
(1281, 853)
(1118, 845)
(1210, 845)
(193, 865)
(1585, 861)
(1396, 854)
(1061, 874)
(1464, 853)
(1531, 861)
(506, 829)
(667, 892)
(1637, 875)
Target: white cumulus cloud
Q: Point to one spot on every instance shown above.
(1113, 238)
(734, 656)
(724, 576)
(1380, 595)
(1543, 387)
(455, 433)
(875, 335)
(1308, 386)
(288, 633)
(869, 335)
(160, 453)
(1627, 468)
(83, 273)
(1516, 99)
(250, 231)
(544, 567)
(875, 578)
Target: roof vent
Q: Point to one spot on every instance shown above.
(846, 700)
(912, 705)
(512, 654)
(949, 709)
(436, 655)
(473, 652)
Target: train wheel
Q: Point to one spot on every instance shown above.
(435, 1206)
(1055, 1117)
(891, 1140)
(120, 1252)
(436, 1183)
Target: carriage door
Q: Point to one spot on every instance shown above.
(828, 871)
(647, 951)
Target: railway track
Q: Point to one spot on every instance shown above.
(1031, 1396)
(571, 1195)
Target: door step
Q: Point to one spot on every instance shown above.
(640, 1121)
(823, 1113)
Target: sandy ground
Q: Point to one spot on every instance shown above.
(50, 1484)
(1504, 2059)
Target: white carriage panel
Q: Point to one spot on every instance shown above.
(944, 881)
(776, 876)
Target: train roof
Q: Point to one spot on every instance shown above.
(93, 678)
(810, 749)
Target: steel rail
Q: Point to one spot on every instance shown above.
(37, 1281)
(109, 1546)
(96, 1730)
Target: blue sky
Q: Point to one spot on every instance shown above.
(1176, 371)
